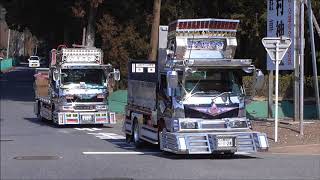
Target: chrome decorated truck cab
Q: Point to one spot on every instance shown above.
(195, 102)
(77, 88)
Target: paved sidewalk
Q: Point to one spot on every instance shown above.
(308, 149)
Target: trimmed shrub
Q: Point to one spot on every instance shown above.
(286, 85)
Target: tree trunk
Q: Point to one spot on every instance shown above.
(155, 30)
(91, 26)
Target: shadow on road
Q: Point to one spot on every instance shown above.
(122, 144)
(17, 85)
(53, 125)
(204, 156)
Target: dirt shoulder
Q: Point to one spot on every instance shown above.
(289, 138)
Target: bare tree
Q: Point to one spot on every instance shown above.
(79, 11)
(91, 30)
(155, 30)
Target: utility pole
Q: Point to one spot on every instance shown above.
(36, 50)
(8, 45)
(315, 23)
(314, 62)
(155, 30)
(270, 93)
(301, 65)
(84, 36)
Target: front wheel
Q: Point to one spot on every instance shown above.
(128, 138)
(161, 128)
(40, 118)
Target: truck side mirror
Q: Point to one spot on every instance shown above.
(116, 74)
(259, 79)
(172, 79)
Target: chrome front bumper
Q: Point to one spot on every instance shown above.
(102, 117)
(210, 143)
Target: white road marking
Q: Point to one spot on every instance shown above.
(88, 129)
(96, 129)
(242, 153)
(128, 147)
(120, 153)
(107, 135)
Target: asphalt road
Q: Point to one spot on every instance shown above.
(31, 149)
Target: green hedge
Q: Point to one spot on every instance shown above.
(5, 64)
(15, 62)
(286, 85)
(259, 109)
(117, 101)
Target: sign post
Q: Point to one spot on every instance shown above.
(276, 48)
(283, 20)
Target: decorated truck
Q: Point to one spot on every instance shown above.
(192, 101)
(74, 89)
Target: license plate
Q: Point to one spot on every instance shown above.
(225, 142)
(86, 117)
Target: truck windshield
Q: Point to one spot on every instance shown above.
(94, 77)
(212, 82)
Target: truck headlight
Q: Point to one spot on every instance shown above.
(238, 124)
(175, 125)
(101, 96)
(67, 108)
(189, 125)
(179, 113)
(101, 107)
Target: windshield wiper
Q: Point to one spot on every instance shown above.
(189, 94)
(212, 91)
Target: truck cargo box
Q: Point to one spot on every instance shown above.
(41, 84)
(142, 84)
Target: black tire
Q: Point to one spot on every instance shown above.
(128, 138)
(137, 142)
(161, 126)
(58, 125)
(40, 118)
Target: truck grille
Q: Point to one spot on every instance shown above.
(192, 113)
(245, 143)
(198, 144)
(78, 99)
(213, 126)
(84, 107)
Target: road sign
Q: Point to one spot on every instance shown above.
(270, 44)
(282, 20)
(276, 48)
